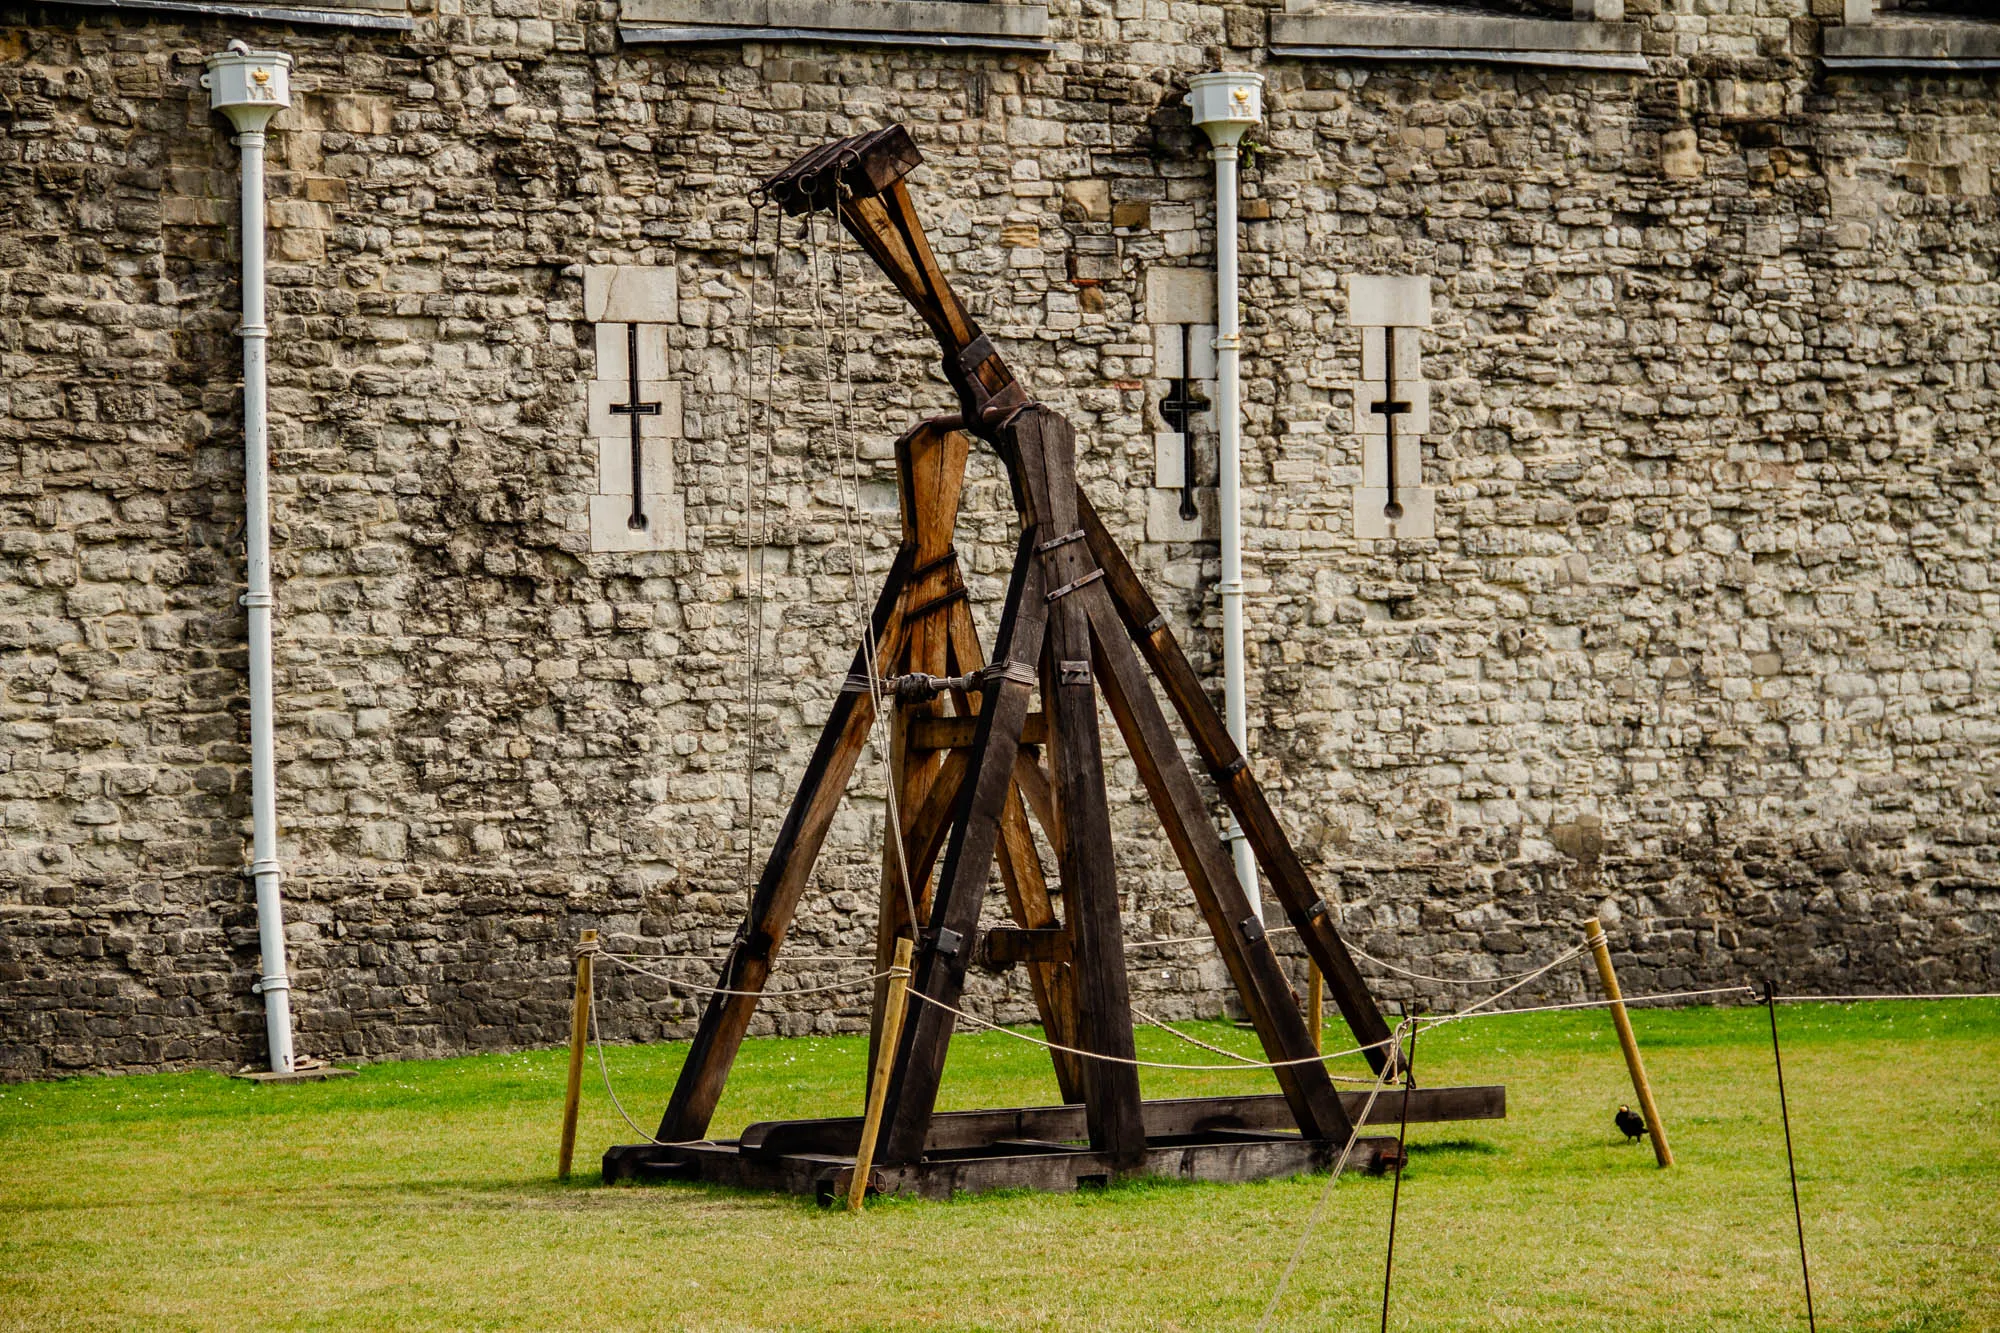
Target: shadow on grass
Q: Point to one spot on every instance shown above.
(1468, 1147)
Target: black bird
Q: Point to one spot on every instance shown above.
(1629, 1124)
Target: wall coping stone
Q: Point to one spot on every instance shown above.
(380, 15)
(1007, 27)
(1913, 43)
(1428, 36)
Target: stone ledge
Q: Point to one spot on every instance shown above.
(1007, 27)
(1423, 35)
(389, 17)
(1913, 44)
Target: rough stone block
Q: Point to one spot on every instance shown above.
(1680, 154)
(1091, 199)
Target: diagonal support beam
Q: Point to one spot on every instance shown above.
(947, 945)
(1303, 906)
(1246, 949)
(790, 865)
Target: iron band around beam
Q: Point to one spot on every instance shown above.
(950, 557)
(1070, 587)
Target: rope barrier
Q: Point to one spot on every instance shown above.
(1850, 999)
(1389, 1068)
(1144, 1064)
(1628, 1001)
(1172, 1031)
(814, 958)
(676, 982)
(1447, 981)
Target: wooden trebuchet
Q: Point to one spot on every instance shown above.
(969, 758)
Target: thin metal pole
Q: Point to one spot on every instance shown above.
(1791, 1164)
(1396, 1191)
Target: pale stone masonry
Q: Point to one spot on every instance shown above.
(1704, 639)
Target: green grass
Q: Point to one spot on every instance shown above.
(420, 1196)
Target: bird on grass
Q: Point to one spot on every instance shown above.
(1629, 1123)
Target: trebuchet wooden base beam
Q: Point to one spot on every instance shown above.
(970, 756)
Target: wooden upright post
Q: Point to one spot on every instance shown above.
(579, 1037)
(893, 1003)
(1316, 1005)
(1643, 1089)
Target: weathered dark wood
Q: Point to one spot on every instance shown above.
(1223, 1156)
(955, 733)
(727, 1017)
(930, 468)
(964, 779)
(1281, 865)
(968, 861)
(1003, 946)
(1239, 935)
(1032, 781)
(1053, 985)
(1166, 1116)
(1089, 871)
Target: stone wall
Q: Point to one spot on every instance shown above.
(1704, 642)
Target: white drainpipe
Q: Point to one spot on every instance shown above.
(250, 87)
(1226, 105)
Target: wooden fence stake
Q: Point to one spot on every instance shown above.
(1316, 1005)
(579, 1037)
(1656, 1131)
(893, 1006)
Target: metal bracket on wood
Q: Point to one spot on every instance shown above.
(1230, 769)
(937, 603)
(1052, 543)
(1253, 929)
(950, 557)
(1070, 587)
(1073, 673)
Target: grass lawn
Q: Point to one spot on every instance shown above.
(420, 1196)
